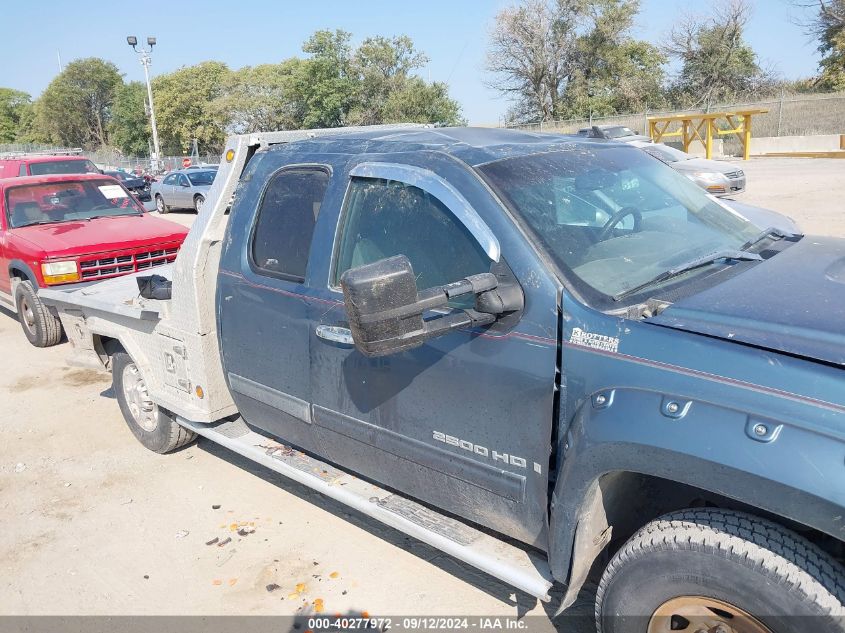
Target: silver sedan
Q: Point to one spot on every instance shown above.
(714, 176)
(182, 189)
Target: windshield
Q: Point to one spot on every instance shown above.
(666, 154)
(66, 201)
(201, 177)
(63, 167)
(612, 216)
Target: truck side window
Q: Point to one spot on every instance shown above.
(286, 217)
(386, 218)
(22, 170)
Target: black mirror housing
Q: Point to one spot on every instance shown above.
(370, 291)
(385, 310)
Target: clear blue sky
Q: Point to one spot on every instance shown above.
(246, 32)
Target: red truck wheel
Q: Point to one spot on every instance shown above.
(41, 328)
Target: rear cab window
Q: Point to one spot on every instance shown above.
(284, 226)
(66, 166)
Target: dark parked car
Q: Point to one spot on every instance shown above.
(137, 185)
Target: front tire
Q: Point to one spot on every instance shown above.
(40, 326)
(155, 428)
(198, 202)
(161, 207)
(700, 569)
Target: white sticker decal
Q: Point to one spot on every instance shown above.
(112, 191)
(595, 341)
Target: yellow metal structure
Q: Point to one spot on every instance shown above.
(704, 127)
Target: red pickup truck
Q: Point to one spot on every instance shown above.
(72, 229)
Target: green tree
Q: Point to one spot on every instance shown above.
(263, 97)
(15, 114)
(130, 129)
(615, 73)
(186, 107)
(417, 101)
(75, 109)
(382, 67)
(829, 26)
(324, 83)
(717, 63)
(562, 58)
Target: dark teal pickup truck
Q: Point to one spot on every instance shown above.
(552, 358)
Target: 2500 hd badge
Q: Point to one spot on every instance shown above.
(483, 451)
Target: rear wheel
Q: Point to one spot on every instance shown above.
(198, 202)
(161, 207)
(155, 428)
(40, 326)
(709, 570)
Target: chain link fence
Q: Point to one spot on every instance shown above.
(804, 115)
(108, 158)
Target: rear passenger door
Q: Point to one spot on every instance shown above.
(263, 302)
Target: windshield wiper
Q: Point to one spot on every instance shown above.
(771, 231)
(114, 215)
(690, 265)
(20, 226)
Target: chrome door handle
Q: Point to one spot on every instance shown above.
(335, 334)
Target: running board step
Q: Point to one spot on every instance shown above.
(510, 564)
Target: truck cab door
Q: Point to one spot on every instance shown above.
(462, 422)
(262, 299)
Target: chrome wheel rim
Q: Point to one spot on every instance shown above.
(27, 315)
(697, 614)
(143, 410)
(198, 203)
(159, 204)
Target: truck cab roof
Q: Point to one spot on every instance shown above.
(473, 146)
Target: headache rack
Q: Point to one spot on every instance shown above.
(175, 339)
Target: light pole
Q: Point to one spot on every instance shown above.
(146, 60)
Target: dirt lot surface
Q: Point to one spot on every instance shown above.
(809, 190)
(96, 524)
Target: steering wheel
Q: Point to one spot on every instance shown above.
(617, 217)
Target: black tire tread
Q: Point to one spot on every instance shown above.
(176, 436)
(179, 437)
(51, 326)
(788, 559)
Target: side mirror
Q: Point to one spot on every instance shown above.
(185, 184)
(385, 310)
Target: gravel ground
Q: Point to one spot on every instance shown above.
(95, 524)
(809, 190)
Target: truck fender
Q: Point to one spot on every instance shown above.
(627, 458)
(26, 269)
